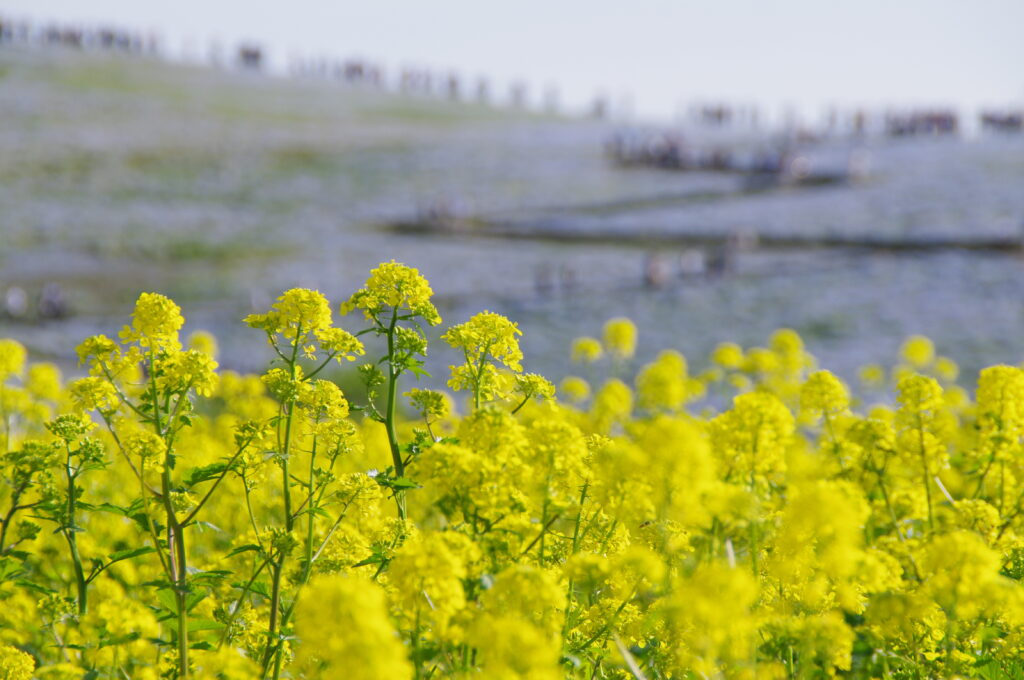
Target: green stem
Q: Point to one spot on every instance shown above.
(285, 475)
(79, 572)
(182, 598)
(69, 535)
(237, 607)
(273, 649)
(15, 497)
(275, 600)
(579, 517)
(175, 533)
(540, 536)
(389, 418)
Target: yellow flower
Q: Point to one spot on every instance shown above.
(612, 404)
(533, 386)
(513, 649)
(620, 337)
(93, 393)
(144, 444)
(918, 397)
(297, 314)
(530, 594)
(155, 322)
(323, 400)
(191, 369)
(43, 381)
(428, 572)
(872, 375)
(708, 620)
(752, 437)
(343, 630)
(946, 369)
(962, 574)
(340, 342)
(282, 385)
(575, 389)
(431, 404)
(487, 338)
(393, 287)
(226, 663)
(1001, 411)
(586, 350)
(98, 346)
(487, 335)
(824, 393)
(662, 384)
(15, 664)
(205, 342)
(918, 351)
(12, 358)
(728, 355)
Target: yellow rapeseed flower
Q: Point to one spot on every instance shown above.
(620, 337)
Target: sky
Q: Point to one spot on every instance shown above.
(653, 57)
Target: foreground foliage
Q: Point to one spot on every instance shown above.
(159, 519)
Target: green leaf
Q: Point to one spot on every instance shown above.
(419, 372)
(248, 547)
(258, 587)
(128, 554)
(141, 519)
(168, 600)
(377, 557)
(212, 577)
(10, 569)
(160, 584)
(195, 625)
(34, 586)
(119, 640)
(204, 473)
(192, 599)
(402, 483)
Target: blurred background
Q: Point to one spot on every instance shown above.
(854, 171)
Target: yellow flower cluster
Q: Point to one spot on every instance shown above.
(485, 340)
(155, 322)
(394, 287)
(738, 515)
(302, 317)
(620, 338)
(15, 664)
(346, 632)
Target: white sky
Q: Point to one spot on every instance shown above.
(806, 54)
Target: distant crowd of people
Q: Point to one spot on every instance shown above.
(671, 151)
(859, 122)
(18, 304)
(1002, 121)
(252, 56)
(103, 37)
(923, 122)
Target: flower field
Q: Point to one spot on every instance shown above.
(160, 518)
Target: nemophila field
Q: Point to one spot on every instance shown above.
(160, 518)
